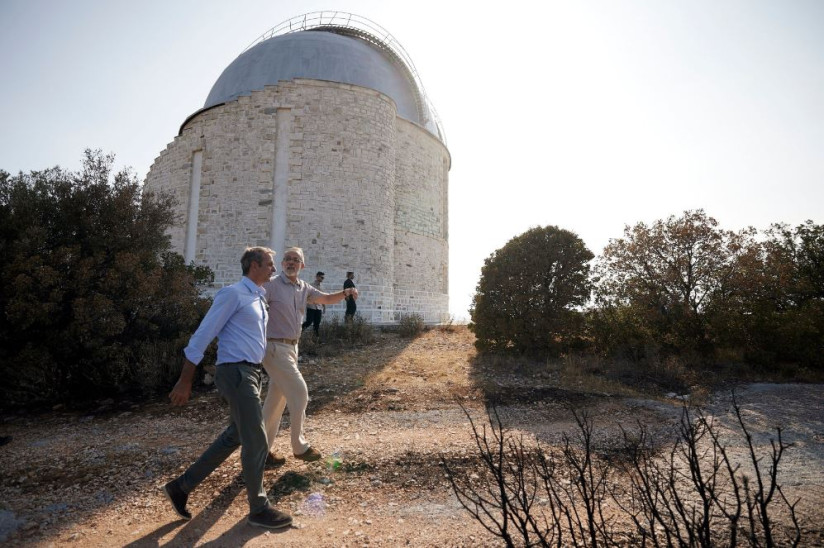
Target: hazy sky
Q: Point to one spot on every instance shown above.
(588, 115)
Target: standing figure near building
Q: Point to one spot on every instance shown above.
(238, 318)
(351, 306)
(314, 312)
(287, 297)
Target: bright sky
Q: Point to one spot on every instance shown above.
(589, 115)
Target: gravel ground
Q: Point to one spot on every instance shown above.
(93, 479)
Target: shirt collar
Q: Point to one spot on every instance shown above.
(287, 281)
(252, 286)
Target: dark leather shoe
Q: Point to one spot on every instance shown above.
(178, 499)
(270, 519)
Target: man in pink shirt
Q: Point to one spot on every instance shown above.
(287, 297)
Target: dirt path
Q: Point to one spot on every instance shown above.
(391, 418)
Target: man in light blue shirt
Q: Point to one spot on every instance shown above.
(238, 319)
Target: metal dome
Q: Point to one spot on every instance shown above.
(331, 46)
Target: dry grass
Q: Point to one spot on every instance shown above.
(441, 365)
(397, 373)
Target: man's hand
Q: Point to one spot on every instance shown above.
(180, 393)
(183, 387)
(353, 292)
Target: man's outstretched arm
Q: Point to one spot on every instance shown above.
(333, 298)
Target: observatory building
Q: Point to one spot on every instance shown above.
(318, 135)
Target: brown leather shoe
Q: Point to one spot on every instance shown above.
(274, 460)
(310, 455)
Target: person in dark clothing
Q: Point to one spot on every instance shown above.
(351, 306)
(314, 312)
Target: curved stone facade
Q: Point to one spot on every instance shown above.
(326, 166)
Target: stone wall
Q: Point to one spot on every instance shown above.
(421, 224)
(325, 166)
(341, 208)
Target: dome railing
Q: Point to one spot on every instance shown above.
(355, 25)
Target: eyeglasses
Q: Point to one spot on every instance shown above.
(292, 260)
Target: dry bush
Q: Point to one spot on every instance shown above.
(632, 495)
(334, 334)
(411, 325)
(449, 325)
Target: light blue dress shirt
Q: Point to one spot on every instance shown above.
(238, 319)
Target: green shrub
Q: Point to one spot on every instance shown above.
(88, 286)
(529, 293)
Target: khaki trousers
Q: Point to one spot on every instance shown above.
(286, 387)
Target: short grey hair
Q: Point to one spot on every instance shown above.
(297, 251)
(253, 254)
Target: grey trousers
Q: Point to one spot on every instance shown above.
(239, 383)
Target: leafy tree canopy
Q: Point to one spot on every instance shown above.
(92, 299)
(774, 308)
(669, 273)
(528, 292)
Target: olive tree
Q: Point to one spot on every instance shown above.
(529, 293)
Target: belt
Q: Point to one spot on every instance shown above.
(243, 362)
(285, 341)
